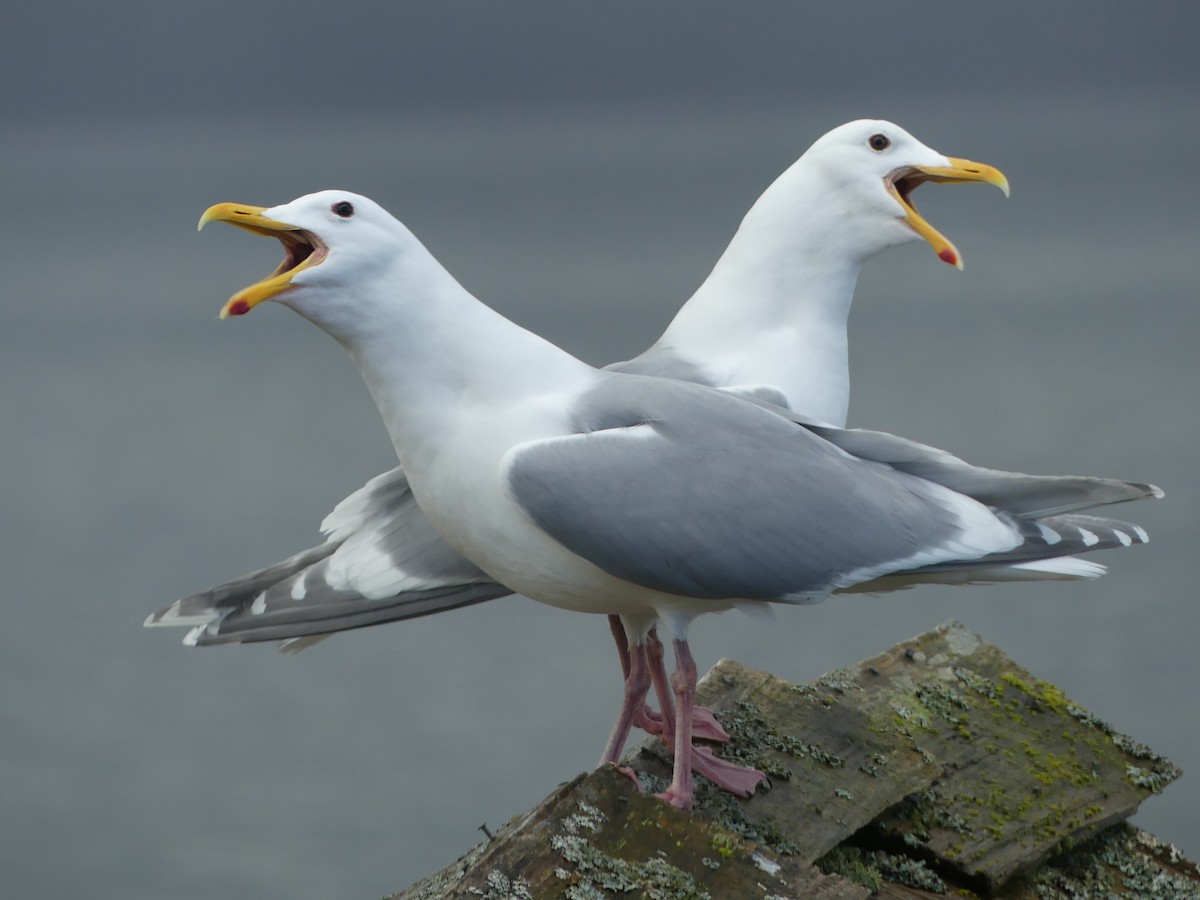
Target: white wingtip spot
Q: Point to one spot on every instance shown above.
(259, 606)
(1141, 533)
(299, 588)
(1125, 539)
(1051, 536)
(171, 617)
(1089, 537)
(190, 639)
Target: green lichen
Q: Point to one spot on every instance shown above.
(1154, 776)
(1050, 768)
(724, 845)
(1041, 693)
(850, 863)
(871, 868)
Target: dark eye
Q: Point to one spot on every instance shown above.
(879, 142)
(344, 209)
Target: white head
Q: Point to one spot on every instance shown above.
(857, 180)
(331, 239)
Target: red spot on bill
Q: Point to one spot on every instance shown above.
(239, 309)
(948, 256)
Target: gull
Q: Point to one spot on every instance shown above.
(770, 321)
(647, 498)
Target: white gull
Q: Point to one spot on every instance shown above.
(646, 498)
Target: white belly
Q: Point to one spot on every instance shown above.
(463, 489)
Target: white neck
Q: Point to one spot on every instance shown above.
(774, 309)
(424, 344)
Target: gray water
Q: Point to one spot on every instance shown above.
(150, 451)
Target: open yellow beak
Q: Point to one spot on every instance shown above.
(902, 182)
(303, 250)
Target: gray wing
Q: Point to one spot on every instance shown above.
(383, 562)
(1018, 493)
(1014, 492)
(661, 361)
(699, 494)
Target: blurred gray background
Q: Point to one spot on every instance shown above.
(580, 167)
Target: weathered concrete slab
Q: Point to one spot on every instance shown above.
(599, 837)
(832, 772)
(1120, 862)
(1027, 772)
(938, 765)
(1000, 769)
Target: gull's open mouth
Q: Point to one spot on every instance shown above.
(901, 183)
(302, 250)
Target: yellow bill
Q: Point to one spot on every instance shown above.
(302, 251)
(902, 182)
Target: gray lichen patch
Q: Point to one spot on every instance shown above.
(977, 683)
(753, 735)
(501, 887)
(840, 681)
(723, 809)
(918, 815)
(871, 868)
(1121, 862)
(589, 872)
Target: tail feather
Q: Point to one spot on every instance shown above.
(207, 606)
(306, 623)
(1049, 551)
(382, 562)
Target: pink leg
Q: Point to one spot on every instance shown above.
(726, 775)
(642, 666)
(645, 718)
(637, 683)
(662, 689)
(705, 726)
(622, 642)
(683, 683)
